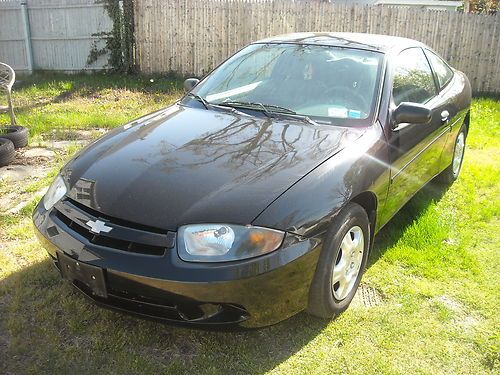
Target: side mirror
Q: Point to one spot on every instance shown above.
(190, 83)
(412, 113)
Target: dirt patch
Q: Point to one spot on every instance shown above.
(30, 165)
(35, 155)
(367, 296)
(16, 173)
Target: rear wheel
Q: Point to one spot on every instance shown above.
(341, 263)
(451, 173)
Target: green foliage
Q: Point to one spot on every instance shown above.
(53, 105)
(483, 6)
(120, 40)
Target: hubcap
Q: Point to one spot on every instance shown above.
(459, 153)
(348, 263)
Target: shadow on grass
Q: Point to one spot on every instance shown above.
(63, 96)
(42, 317)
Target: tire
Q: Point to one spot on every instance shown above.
(7, 151)
(451, 173)
(17, 134)
(326, 297)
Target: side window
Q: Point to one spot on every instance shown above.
(413, 81)
(442, 70)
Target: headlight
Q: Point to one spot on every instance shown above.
(224, 242)
(56, 191)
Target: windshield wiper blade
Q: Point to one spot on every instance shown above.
(275, 110)
(280, 109)
(199, 98)
(208, 104)
(250, 105)
(267, 108)
(297, 117)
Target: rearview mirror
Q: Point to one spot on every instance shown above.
(190, 83)
(412, 113)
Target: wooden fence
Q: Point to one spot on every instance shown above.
(193, 36)
(52, 34)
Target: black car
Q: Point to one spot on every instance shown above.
(259, 193)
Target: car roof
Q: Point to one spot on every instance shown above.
(374, 42)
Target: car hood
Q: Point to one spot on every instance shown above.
(186, 165)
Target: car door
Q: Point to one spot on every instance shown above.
(415, 149)
(448, 102)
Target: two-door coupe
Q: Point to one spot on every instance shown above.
(259, 193)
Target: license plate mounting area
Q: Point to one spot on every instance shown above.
(75, 271)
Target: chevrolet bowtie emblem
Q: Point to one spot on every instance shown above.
(98, 226)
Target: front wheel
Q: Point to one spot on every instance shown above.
(341, 263)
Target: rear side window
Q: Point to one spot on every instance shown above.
(413, 81)
(443, 71)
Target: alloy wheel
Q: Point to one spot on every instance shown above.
(459, 153)
(348, 263)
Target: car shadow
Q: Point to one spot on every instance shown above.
(36, 297)
(39, 309)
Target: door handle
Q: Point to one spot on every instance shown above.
(445, 116)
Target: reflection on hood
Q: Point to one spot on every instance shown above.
(187, 165)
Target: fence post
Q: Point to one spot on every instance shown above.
(27, 35)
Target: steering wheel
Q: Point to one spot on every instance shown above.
(347, 96)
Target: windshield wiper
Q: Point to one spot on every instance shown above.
(270, 109)
(208, 104)
(249, 105)
(254, 105)
(200, 99)
(298, 117)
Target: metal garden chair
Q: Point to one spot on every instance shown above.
(7, 79)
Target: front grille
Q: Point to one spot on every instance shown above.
(124, 236)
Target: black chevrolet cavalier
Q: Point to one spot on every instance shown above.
(259, 193)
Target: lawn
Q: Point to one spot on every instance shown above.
(57, 102)
(435, 272)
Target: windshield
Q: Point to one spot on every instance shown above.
(332, 84)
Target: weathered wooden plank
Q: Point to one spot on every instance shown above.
(193, 36)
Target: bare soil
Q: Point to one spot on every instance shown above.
(32, 164)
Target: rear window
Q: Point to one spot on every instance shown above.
(441, 69)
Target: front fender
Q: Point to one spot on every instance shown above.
(309, 205)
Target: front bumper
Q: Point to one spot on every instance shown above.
(250, 293)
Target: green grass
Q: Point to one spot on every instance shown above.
(51, 101)
(436, 264)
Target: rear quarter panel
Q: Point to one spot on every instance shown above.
(459, 96)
